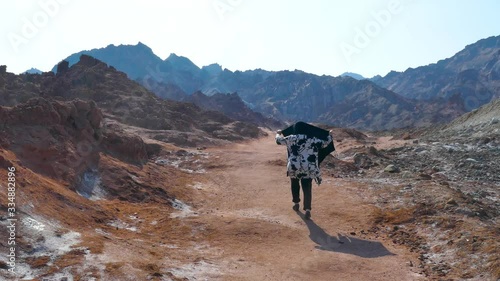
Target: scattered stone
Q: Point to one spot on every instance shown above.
(161, 161)
(391, 169)
(408, 187)
(181, 152)
(452, 202)
(420, 149)
(406, 175)
(486, 140)
(439, 176)
(425, 176)
(362, 160)
(4, 163)
(435, 169)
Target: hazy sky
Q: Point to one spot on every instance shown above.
(318, 36)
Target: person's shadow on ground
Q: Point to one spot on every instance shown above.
(344, 244)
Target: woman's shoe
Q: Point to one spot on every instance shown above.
(307, 215)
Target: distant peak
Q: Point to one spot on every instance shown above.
(353, 75)
(33, 71)
(213, 68)
(173, 56)
(141, 45)
(138, 46)
(181, 62)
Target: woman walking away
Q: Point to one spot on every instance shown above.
(307, 146)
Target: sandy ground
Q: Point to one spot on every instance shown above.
(232, 219)
(246, 205)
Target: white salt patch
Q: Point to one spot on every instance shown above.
(32, 223)
(184, 209)
(122, 225)
(201, 270)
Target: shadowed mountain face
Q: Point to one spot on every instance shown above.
(232, 106)
(417, 97)
(473, 73)
(344, 101)
(296, 95)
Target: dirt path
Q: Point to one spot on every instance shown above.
(245, 207)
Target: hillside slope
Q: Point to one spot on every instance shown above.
(473, 73)
(479, 123)
(232, 106)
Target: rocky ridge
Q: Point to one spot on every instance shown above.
(472, 73)
(296, 95)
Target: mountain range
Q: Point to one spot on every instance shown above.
(125, 101)
(473, 73)
(423, 96)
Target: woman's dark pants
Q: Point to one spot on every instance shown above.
(306, 188)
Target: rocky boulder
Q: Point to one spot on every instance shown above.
(124, 146)
(391, 169)
(362, 160)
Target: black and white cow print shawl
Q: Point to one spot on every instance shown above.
(303, 155)
(302, 128)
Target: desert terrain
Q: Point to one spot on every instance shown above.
(224, 213)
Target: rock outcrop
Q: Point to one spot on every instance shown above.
(58, 139)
